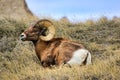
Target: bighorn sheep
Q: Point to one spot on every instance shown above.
(54, 51)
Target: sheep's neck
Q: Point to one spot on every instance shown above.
(39, 47)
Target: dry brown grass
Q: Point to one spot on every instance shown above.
(19, 62)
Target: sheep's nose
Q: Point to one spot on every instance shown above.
(22, 36)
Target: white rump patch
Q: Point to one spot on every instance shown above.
(78, 57)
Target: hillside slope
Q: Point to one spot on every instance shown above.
(16, 9)
(18, 60)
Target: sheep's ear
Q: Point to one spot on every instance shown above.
(43, 31)
(50, 33)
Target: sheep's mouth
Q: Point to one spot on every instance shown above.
(23, 39)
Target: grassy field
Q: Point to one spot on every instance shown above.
(102, 37)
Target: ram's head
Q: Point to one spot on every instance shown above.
(42, 29)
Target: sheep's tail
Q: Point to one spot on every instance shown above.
(88, 58)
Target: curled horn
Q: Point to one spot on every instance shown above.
(47, 30)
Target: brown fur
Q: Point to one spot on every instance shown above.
(56, 51)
